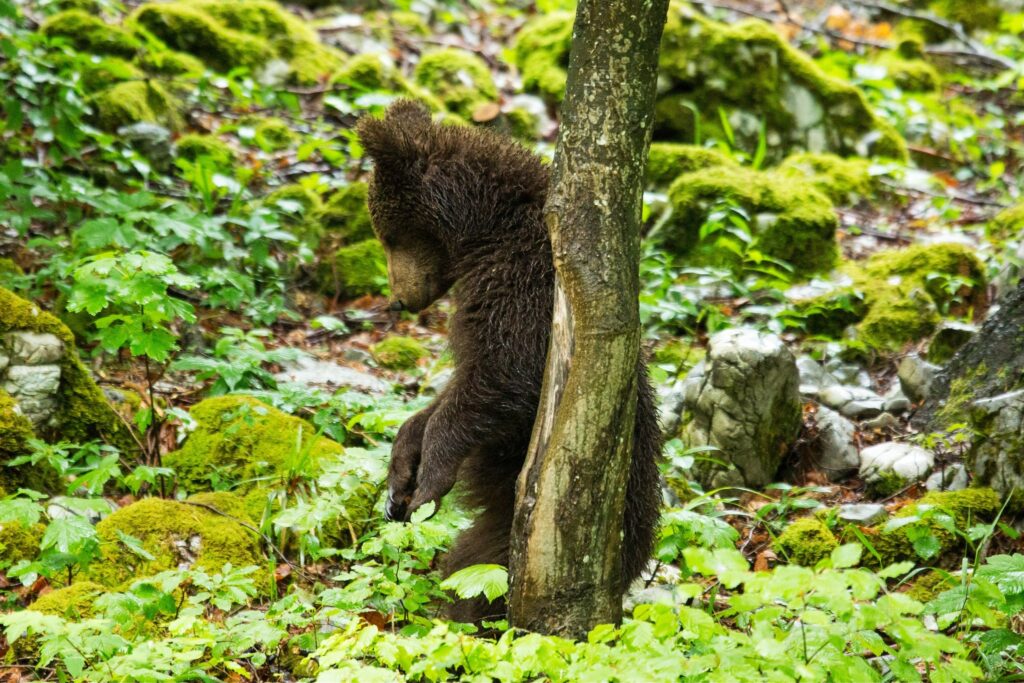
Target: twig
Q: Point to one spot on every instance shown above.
(978, 201)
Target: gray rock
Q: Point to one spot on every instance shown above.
(838, 455)
(863, 514)
(30, 348)
(905, 460)
(854, 402)
(916, 376)
(813, 377)
(308, 370)
(952, 478)
(35, 388)
(354, 355)
(882, 422)
(744, 400)
(436, 384)
(670, 407)
(950, 336)
(994, 459)
(5, 360)
(896, 402)
(150, 140)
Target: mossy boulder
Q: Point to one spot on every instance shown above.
(893, 541)
(108, 71)
(171, 63)
(666, 161)
(273, 134)
(355, 270)
(193, 146)
(806, 541)
(841, 180)
(9, 268)
(135, 102)
(241, 441)
(80, 412)
(398, 353)
(376, 72)
(541, 51)
(74, 602)
(345, 216)
(1008, 223)
(175, 534)
(237, 33)
(763, 85)
(896, 296)
(19, 542)
(459, 78)
(911, 75)
(790, 219)
(88, 33)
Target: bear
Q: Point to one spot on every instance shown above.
(460, 209)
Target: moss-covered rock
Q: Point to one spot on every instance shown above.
(1008, 222)
(790, 219)
(8, 269)
(929, 585)
(135, 102)
(541, 51)
(236, 33)
(74, 602)
(376, 72)
(666, 161)
(273, 134)
(19, 542)
(302, 206)
(193, 146)
(355, 270)
(103, 73)
(842, 180)
(89, 33)
(175, 534)
(967, 507)
(397, 352)
(171, 63)
(82, 412)
(911, 75)
(895, 297)
(458, 77)
(242, 441)
(806, 541)
(764, 86)
(307, 199)
(345, 215)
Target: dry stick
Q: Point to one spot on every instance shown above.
(977, 49)
(906, 191)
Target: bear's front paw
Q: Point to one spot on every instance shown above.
(432, 486)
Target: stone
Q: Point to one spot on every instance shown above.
(308, 370)
(32, 348)
(948, 339)
(881, 423)
(436, 384)
(896, 402)
(150, 140)
(916, 376)
(906, 461)
(35, 389)
(744, 400)
(994, 458)
(813, 377)
(838, 455)
(853, 402)
(951, 478)
(863, 514)
(5, 360)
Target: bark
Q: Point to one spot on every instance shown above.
(565, 560)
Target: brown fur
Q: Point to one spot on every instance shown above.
(462, 206)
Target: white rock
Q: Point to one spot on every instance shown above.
(838, 456)
(916, 377)
(813, 377)
(30, 348)
(35, 388)
(308, 370)
(853, 402)
(952, 478)
(908, 461)
(862, 514)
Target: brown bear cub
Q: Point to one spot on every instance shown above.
(462, 207)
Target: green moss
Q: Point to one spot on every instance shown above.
(355, 270)
(929, 266)
(458, 77)
(929, 585)
(174, 534)
(763, 85)
(306, 198)
(911, 75)
(273, 134)
(519, 123)
(171, 63)
(541, 51)
(88, 33)
(397, 352)
(376, 72)
(107, 72)
(242, 441)
(895, 316)
(18, 542)
(842, 180)
(806, 541)
(9, 268)
(134, 102)
(666, 161)
(966, 507)
(1008, 223)
(799, 225)
(345, 215)
(83, 413)
(74, 602)
(886, 483)
(678, 353)
(979, 14)
(192, 146)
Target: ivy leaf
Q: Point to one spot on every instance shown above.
(490, 580)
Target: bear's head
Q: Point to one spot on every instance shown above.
(419, 265)
(440, 193)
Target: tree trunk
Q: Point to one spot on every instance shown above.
(565, 560)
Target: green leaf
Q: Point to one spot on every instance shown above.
(135, 545)
(67, 533)
(490, 580)
(847, 555)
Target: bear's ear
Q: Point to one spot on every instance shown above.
(396, 142)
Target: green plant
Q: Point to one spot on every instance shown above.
(238, 361)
